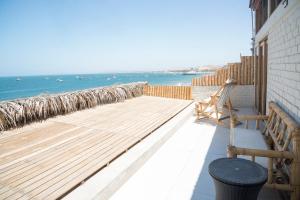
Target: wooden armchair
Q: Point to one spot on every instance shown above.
(212, 107)
(281, 136)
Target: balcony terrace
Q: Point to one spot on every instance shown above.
(148, 147)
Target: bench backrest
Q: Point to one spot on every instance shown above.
(282, 129)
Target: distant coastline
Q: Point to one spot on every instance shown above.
(196, 70)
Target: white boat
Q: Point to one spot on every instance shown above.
(18, 79)
(59, 80)
(192, 72)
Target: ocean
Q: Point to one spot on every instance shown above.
(27, 86)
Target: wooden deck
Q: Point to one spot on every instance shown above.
(47, 160)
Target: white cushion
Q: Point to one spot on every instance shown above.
(251, 139)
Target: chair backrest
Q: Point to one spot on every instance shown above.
(226, 92)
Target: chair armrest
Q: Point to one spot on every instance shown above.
(205, 101)
(215, 96)
(260, 152)
(202, 102)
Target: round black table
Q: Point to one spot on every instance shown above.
(237, 179)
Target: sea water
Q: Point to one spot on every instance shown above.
(20, 87)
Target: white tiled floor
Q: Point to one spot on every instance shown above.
(179, 169)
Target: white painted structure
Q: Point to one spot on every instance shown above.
(242, 95)
(282, 29)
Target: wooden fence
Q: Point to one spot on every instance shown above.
(242, 72)
(176, 92)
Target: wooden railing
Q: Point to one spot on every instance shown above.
(176, 92)
(242, 72)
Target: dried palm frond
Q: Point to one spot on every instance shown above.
(19, 112)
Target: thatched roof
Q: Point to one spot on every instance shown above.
(19, 112)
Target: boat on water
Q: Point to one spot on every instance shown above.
(192, 72)
(81, 77)
(59, 80)
(18, 79)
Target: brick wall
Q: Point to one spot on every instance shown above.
(283, 84)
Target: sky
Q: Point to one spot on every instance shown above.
(100, 36)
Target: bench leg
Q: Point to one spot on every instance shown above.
(295, 168)
(230, 152)
(295, 177)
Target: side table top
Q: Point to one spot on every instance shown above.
(237, 171)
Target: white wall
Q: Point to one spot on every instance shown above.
(242, 95)
(283, 31)
(202, 92)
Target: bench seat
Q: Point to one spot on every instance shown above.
(251, 139)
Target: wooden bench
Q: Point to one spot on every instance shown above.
(277, 148)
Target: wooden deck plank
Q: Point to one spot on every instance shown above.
(26, 173)
(88, 166)
(29, 137)
(40, 146)
(35, 160)
(38, 182)
(92, 166)
(54, 157)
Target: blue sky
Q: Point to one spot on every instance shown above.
(94, 36)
